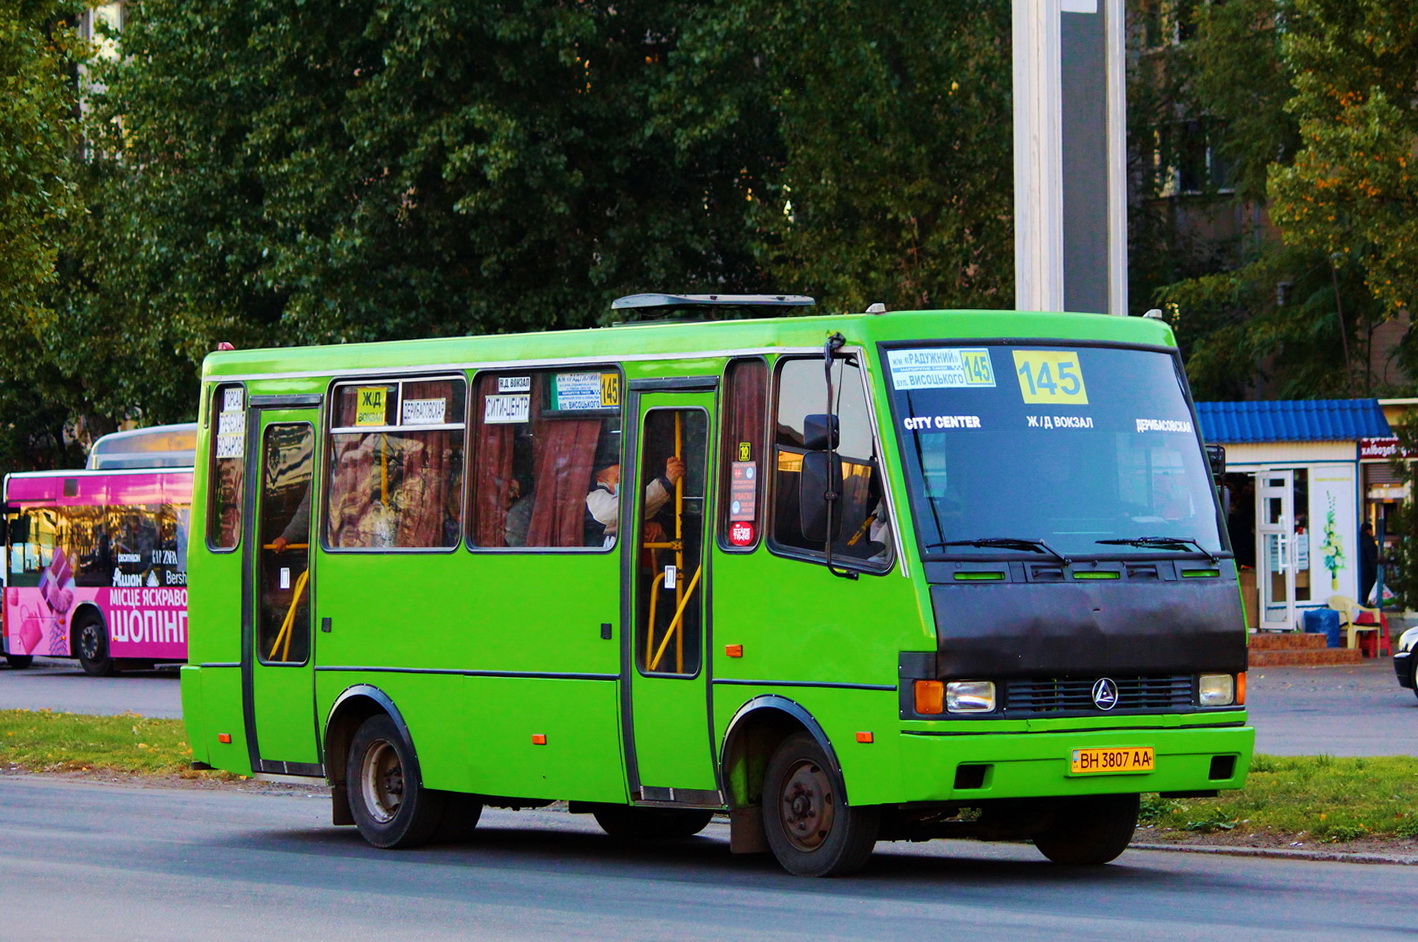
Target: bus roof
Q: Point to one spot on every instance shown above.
(159, 446)
(662, 340)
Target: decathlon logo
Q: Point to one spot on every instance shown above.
(1105, 694)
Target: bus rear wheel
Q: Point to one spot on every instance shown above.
(19, 661)
(650, 824)
(91, 645)
(810, 828)
(390, 806)
(1089, 831)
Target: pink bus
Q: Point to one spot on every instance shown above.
(96, 560)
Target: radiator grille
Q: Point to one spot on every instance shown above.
(1059, 695)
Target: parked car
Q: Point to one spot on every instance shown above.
(1405, 660)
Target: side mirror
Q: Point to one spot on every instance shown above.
(817, 477)
(819, 432)
(1216, 458)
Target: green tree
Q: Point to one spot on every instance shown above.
(1351, 192)
(1274, 305)
(39, 202)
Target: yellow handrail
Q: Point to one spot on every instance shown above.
(674, 629)
(285, 634)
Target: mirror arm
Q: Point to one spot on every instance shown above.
(834, 343)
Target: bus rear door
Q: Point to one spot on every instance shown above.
(670, 755)
(277, 663)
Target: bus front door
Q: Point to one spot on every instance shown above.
(669, 754)
(277, 663)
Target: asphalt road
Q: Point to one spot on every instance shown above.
(1342, 711)
(89, 861)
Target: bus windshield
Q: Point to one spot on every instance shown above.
(1052, 452)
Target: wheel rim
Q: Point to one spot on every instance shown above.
(808, 805)
(89, 642)
(382, 782)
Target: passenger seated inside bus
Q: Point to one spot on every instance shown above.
(603, 500)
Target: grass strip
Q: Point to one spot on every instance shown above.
(1312, 799)
(43, 741)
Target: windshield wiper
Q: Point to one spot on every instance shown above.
(1168, 542)
(1007, 542)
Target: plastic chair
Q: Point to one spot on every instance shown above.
(1358, 621)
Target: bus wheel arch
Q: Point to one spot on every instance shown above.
(347, 714)
(753, 736)
(89, 641)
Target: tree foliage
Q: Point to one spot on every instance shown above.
(277, 172)
(38, 202)
(1294, 307)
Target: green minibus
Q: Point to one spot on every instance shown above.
(878, 576)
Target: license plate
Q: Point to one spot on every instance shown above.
(1130, 759)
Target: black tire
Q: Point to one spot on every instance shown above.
(651, 824)
(91, 647)
(1413, 672)
(19, 661)
(810, 828)
(1089, 831)
(390, 806)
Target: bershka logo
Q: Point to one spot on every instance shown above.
(1105, 693)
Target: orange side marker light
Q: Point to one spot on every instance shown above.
(733, 650)
(539, 739)
(865, 737)
(1241, 689)
(223, 737)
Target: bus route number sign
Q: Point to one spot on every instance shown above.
(1051, 377)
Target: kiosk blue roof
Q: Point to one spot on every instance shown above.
(1292, 420)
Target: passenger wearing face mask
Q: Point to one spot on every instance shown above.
(603, 501)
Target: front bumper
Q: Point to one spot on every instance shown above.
(1037, 764)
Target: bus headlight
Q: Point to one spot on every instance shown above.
(1216, 690)
(970, 696)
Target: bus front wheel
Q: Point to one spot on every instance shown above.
(391, 807)
(650, 824)
(1089, 831)
(91, 645)
(19, 661)
(810, 828)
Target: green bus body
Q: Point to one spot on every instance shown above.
(516, 675)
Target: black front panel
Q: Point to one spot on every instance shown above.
(998, 630)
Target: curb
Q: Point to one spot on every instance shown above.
(1326, 856)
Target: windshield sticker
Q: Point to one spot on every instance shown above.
(1059, 421)
(1050, 376)
(924, 422)
(1164, 425)
(947, 368)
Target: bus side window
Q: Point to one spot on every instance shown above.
(228, 467)
(802, 391)
(29, 558)
(745, 411)
(396, 465)
(539, 438)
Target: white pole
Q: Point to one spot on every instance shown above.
(1038, 157)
